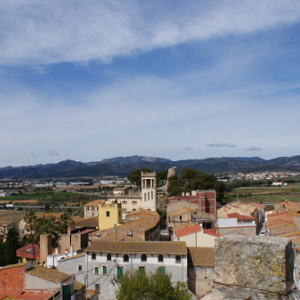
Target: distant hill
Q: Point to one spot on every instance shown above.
(134, 159)
(122, 166)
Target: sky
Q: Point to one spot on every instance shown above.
(88, 80)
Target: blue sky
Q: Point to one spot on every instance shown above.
(88, 79)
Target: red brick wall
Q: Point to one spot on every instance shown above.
(207, 201)
(11, 280)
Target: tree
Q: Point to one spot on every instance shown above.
(2, 254)
(138, 286)
(192, 179)
(11, 245)
(161, 177)
(31, 219)
(48, 225)
(65, 220)
(135, 177)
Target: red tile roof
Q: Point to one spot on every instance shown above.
(212, 232)
(188, 230)
(257, 205)
(27, 251)
(240, 217)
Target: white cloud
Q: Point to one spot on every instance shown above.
(188, 148)
(216, 145)
(253, 148)
(53, 153)
(44, 32)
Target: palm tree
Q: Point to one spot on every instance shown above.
(31, 219)
(48, 225)
(65, 220)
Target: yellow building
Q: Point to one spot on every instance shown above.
(110, 214)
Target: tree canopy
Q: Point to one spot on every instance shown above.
(135, 177)
(192, 179)
(137, 285)
(9, 247)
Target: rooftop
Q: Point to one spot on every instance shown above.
(175, 248)
(27, 251)
(240, 217)
(201, 256)
(51, 275)
(188, 230)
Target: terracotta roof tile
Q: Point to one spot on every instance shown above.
(201, 256)
(90, 222)
(180, 211)
(257, 205)
(176, 248)
(47, 274)
(212, 232)
(95, 203)
(27, 251)
(239, 217)
(188, 230)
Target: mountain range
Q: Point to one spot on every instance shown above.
(122, 166)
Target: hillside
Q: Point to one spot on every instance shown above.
(121, 166)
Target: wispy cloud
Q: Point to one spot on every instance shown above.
(188, 148)
(53, 153)
(217, 145)
(254, 148)
(41, 32)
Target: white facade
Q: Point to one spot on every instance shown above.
(102, 271)
(149, 191)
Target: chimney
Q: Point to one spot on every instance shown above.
(71, 250)
(45, 247)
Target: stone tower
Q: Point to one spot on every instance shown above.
(149, 191)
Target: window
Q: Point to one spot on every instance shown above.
(142, 270)
(97, 287)
(107, 213)
(126, 258)
(178, 259)
(104, 270)
(79, 268)
(96, 271)
(162, 270)
(108, 257)
(93, 256)
(160, 258)
(119, 272)
(144, 257)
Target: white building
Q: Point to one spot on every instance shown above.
(105, 263)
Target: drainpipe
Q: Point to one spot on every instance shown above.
(87, 270)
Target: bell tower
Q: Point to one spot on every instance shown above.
(149, 191)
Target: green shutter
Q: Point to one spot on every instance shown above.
(162, 270)
(96, 270)
(119, 272)
(104, 270)
(142, 270)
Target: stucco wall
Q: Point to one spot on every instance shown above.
(200, 280)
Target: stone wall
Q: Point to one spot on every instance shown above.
(253, 268)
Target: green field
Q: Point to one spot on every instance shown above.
(51, 197)
(267, 194)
